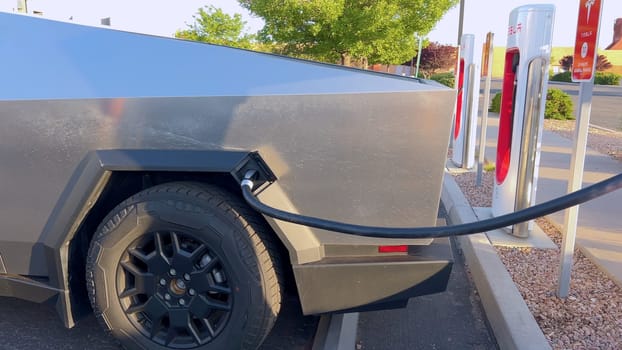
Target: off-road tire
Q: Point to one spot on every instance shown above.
(205, 218)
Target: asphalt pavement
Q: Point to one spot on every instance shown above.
(25, 326)
(453, 319)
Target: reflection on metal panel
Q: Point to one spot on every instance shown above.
(351, 145)
(65, 60)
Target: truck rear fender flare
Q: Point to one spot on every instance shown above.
(103, 179)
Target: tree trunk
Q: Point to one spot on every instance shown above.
(346, 60)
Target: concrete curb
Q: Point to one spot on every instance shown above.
(603, 128)
(511, 321)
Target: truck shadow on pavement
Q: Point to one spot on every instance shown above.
(25, 325)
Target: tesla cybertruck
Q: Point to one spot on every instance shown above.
(121, 158)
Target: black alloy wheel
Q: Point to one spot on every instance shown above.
(185, 266)
(174, 289)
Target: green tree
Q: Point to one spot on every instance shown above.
(378, 31)
(212, 25)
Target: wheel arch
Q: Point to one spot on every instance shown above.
(103, 180)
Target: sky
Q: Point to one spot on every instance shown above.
(164, 17)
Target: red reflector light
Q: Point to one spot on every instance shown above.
(393, 249)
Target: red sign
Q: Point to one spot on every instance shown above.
(587, 40)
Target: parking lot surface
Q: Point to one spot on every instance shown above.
(26, 326)
(453, 319)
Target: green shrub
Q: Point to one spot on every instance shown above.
(446, 79)
(602, 78)
(564, 76)
(558, 105)
(489, 166)
(495, 104)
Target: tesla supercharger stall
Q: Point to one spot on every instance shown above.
(525, 81)
(465, 122)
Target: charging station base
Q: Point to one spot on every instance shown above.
(503, 238)
(454, 168)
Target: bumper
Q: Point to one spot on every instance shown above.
(370, 283)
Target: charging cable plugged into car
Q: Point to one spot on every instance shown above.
(569, 200)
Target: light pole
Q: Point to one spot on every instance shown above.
(460, 22)
(412, 64)
(457, 70)
(460, 25)
(418, 57)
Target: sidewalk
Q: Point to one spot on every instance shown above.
(599, 232)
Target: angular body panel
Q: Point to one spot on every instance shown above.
(344, 144)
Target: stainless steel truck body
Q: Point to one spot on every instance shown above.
(118, 150)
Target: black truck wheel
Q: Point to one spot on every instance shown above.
(184, 266)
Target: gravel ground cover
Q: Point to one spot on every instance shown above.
(604, 141)
(591, 316)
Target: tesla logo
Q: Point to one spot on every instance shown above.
(514, 29)
(588, 5)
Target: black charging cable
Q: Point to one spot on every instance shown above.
(583, 195)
